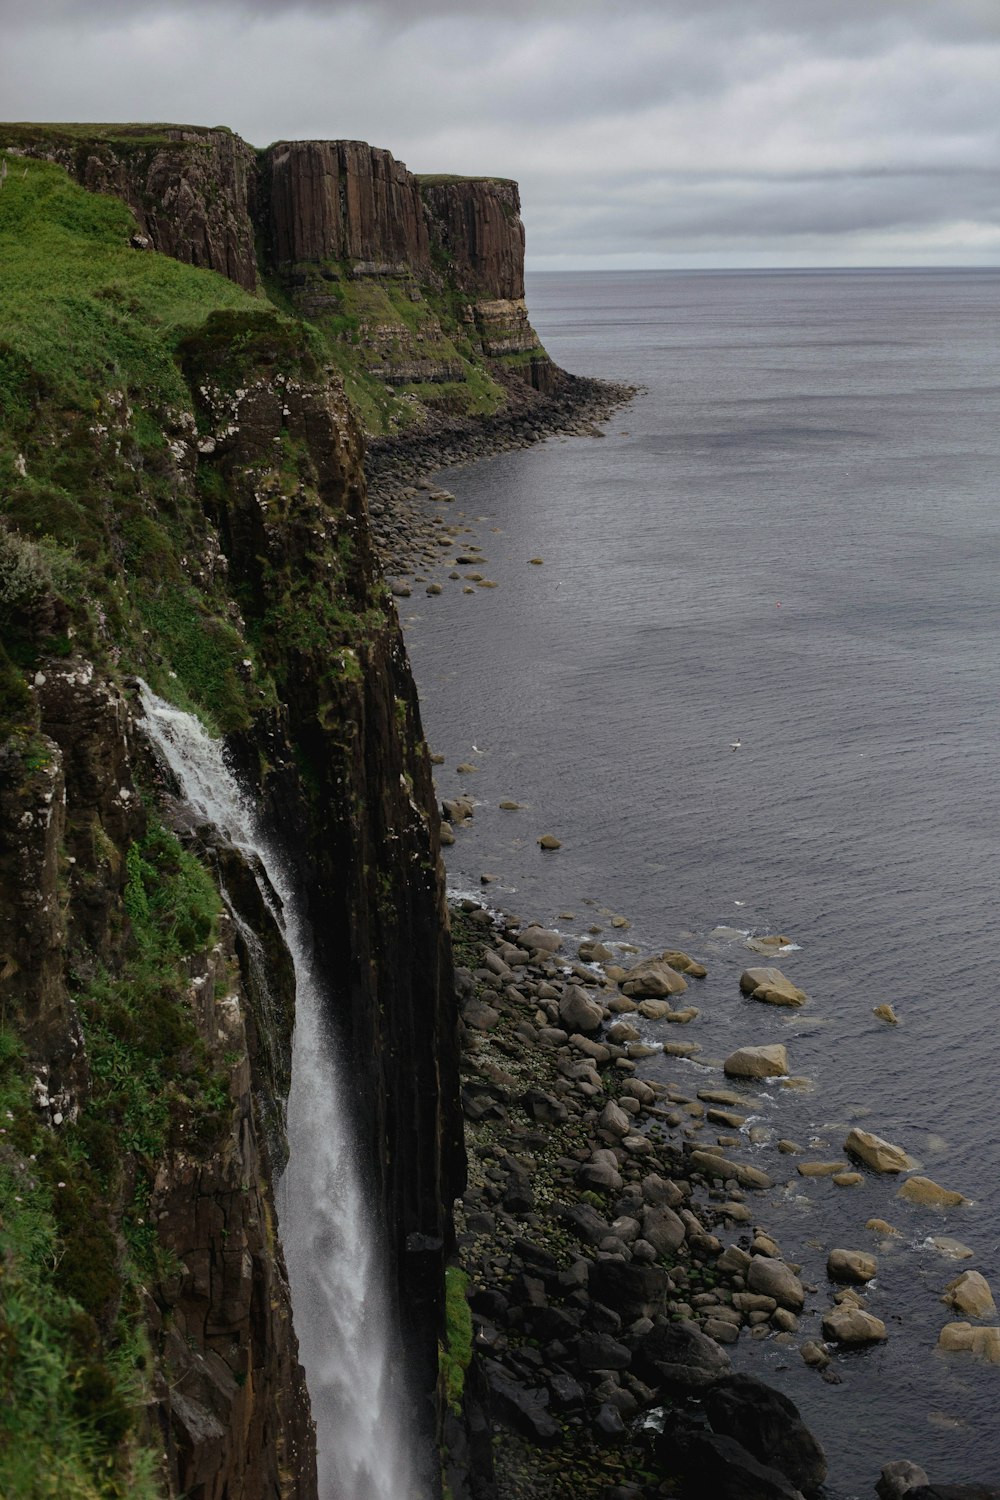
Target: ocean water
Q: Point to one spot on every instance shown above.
(790, 538)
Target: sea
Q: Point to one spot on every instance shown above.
(788, 542)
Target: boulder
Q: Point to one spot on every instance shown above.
(970, 1294)
(653, 979)
(519, 1408)
(594, 952)
(876, 1152)
(847, 1324)
(716, 1466)
(614, 1120)
(680, 1356)
(683, 963)
(662, 1229)
(982, 1342)
(757, 1062)
(633, 1291)
(922, 1190)
(851, 1265)
(772, 1278)
(540, 939)
(578, 1012)
(898, 1478)
(769, 1426)
(886, 1013)
(771, 986)
(770, 944)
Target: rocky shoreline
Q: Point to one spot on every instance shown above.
(396, 468)
(613, 1255)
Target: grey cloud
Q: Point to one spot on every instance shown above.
(653, 125)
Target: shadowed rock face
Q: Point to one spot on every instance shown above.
(476, 222)
(344, 200)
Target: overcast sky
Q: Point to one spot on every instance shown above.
(677, 133)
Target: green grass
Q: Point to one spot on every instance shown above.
(455, 1352)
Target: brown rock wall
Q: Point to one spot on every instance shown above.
(344, 200)
(475, 222)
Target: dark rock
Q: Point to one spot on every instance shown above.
(520, 1408)
(720, 1467)
(567, 1393)
(587, 1223)
(599, 1351)
(679, 1355)
(608, 1426)
(768, 1425)
(630, 1289)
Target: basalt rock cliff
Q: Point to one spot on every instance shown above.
(183, 500)
(415, 284)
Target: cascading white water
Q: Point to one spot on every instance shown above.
(332, 1247)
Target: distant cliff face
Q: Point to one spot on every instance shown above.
(476, 225)
(415, 283)
(344, 201)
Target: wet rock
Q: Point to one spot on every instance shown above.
(899, 1478)
(852, 1325)
(594, 953)
(772, 987)
(982, 1342)
(851, 1265)
(886, 1013)
(876, 1153)
(653, 979)
(757, 1062)
(923, 1190)
(772, 1278)
(970, 1294)
(662, 1229)
(684, 963)
(549, 841)
(769, 1426)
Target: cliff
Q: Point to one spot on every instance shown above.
(183, 499)
(415, 285)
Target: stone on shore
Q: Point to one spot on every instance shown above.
(769, 1426)
(684, 963)
(876, 1153)
(679, 1355)
(847, 1324)
(578, 1012)
(549, 841)
(923, 1190)
(757, 1062)
(954, 1249)
(970, 1294)
(771, 986)
(653, 979)
(851, 1265)
(772, 1278)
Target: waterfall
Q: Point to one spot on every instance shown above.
(332, 1246)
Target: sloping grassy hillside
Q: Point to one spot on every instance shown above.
(92, 499)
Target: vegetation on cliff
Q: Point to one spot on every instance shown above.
(182, 498)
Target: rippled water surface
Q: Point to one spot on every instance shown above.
(790, 538)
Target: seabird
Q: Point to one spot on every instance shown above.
(735, 745)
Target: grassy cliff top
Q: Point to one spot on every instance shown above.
(68, 133)
(442, 179)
